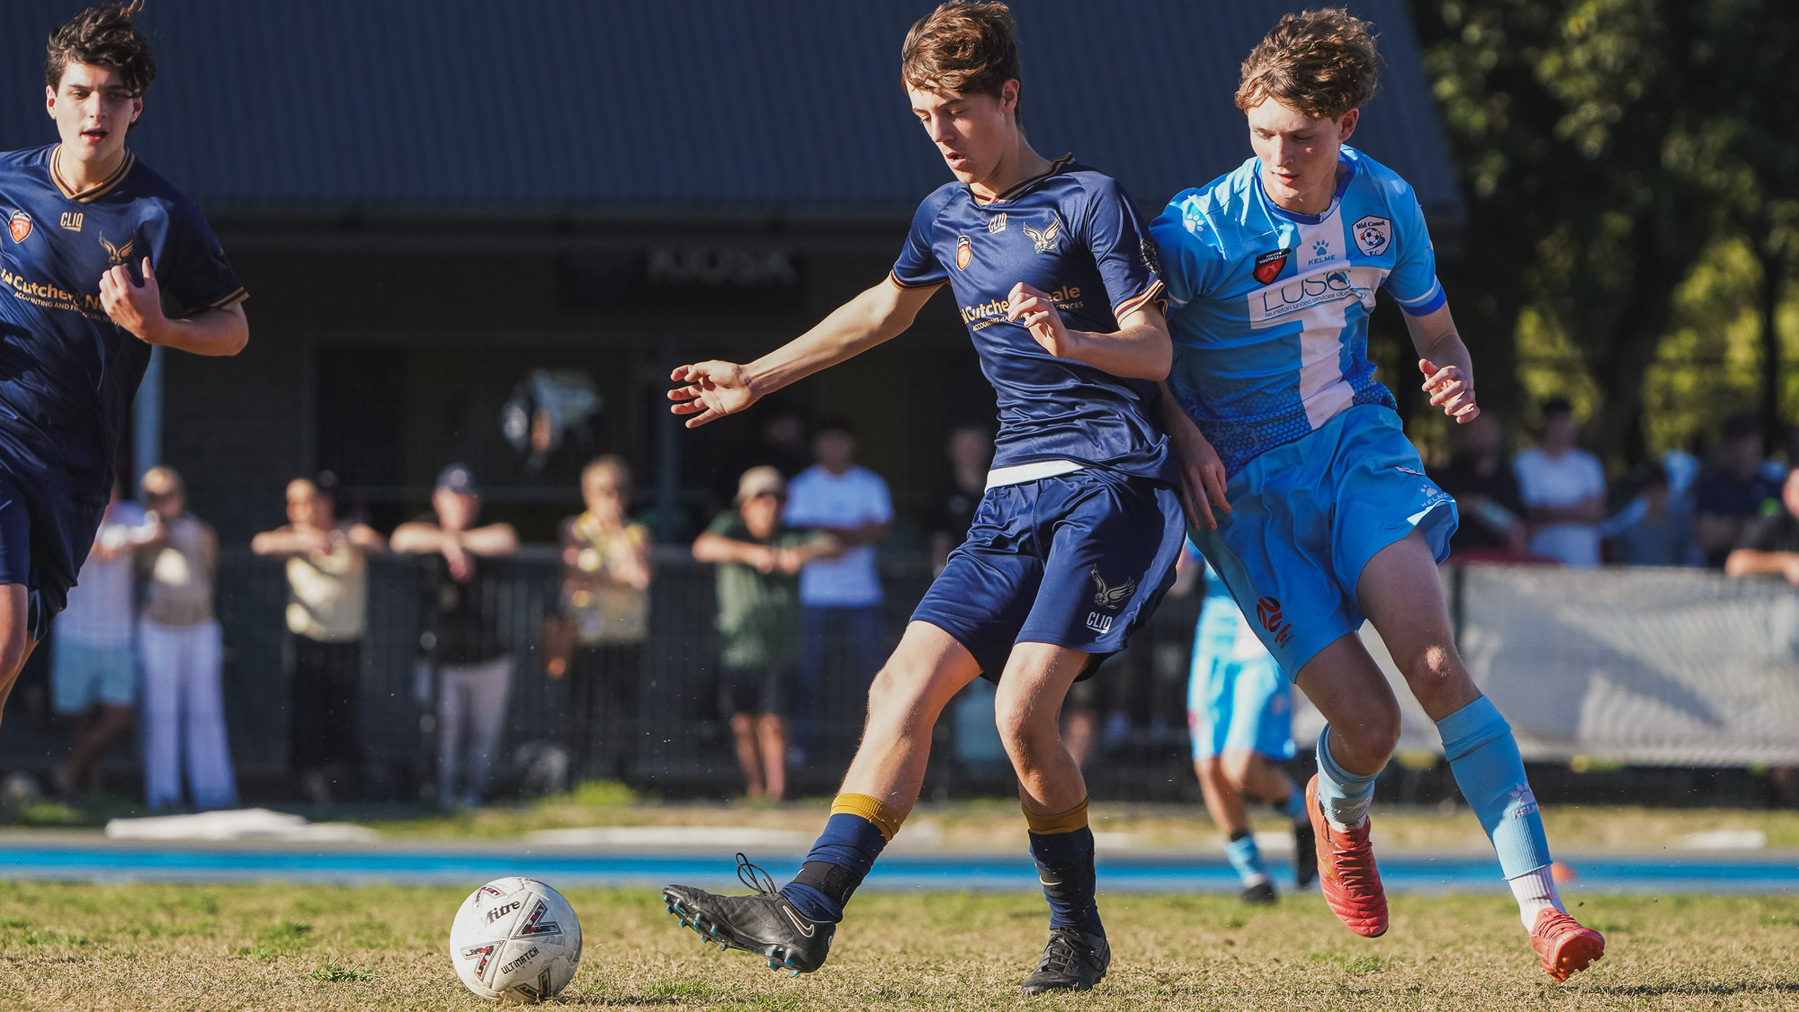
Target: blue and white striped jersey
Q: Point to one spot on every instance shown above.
(1270, 308)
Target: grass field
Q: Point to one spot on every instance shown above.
(284, 947)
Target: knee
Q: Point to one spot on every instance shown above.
(899, 697)
(1235, 768)
(1435, 671)
(1022, 724)
(1369, 736)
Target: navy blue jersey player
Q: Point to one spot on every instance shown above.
(101, 260)
(1075, 539)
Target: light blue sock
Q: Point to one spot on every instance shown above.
(1483, 755)
(1343, 795)
(1246, 858)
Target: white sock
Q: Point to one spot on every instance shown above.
(1535, 891)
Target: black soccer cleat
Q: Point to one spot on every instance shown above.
(1305, 854)
(765, 924)
(1072, 961)
(1260, 894)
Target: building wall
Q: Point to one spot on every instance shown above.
(387, 362)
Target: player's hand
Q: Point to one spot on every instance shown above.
(1202, 474)
(1038, 314)
(1449, 391)
(709, 391)
(135, 307)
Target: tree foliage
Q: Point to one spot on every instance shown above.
(1607, 146)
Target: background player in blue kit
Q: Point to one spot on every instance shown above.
(1074, 541)
(1240, 717)
(102, 259)
(1275, 267)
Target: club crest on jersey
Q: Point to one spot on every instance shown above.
(1045, 239)
(964, 252)
(997, 223)
(1372, 235)
(19, 226)
(116, 255)
(1269, 265)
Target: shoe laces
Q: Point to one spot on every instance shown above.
(1355, 861)
(754, 877)
(1063, 953)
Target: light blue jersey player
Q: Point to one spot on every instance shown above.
(1240, 718)
(1076, 537)
(1274, 268)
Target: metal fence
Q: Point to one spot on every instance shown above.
(1660, 667)
(678, 743)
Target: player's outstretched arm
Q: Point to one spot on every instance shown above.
(138, 309)
(1443, 359)
(1138, 349)
(711, 390)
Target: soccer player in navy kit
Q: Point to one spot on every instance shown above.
(1075, 539)
(102, 259)
(1274, 267)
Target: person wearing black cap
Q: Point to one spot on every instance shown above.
(327, 620)
(463, 635)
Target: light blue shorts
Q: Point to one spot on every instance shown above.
(82, 675)
(1305, 519)
(1237, 698)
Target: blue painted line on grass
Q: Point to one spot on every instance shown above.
(1003, 872)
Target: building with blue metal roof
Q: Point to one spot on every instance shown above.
(429, 200)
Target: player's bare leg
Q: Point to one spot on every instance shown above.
(1027, 706)
(1226, 781)
(16, 642)
(1401, 594)
(908, 694)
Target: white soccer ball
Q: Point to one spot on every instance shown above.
(515, 939)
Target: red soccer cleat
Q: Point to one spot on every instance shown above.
(1565, 946)
(1346, 872)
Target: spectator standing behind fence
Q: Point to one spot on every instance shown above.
(605, 600)
(759, 621)
(841, 596)
(463, 639)
(1486, 492)
(93, 670)
(1563, 489)
(1656, 528)
(184, 709)
(1739, 487)
(1770, 546)
(970, 451)
(327, 622)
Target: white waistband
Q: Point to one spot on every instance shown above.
(1018, 474)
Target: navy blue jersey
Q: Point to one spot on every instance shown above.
(67, 372)
(1073, 233)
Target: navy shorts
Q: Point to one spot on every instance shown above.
(45, 535)
(1079, 560)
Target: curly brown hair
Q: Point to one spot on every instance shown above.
(1321, 62)
(962, 47)
(103, 35)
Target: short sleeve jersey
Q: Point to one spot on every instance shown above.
(1270, 318)
(67, 372)
(1074, 234)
